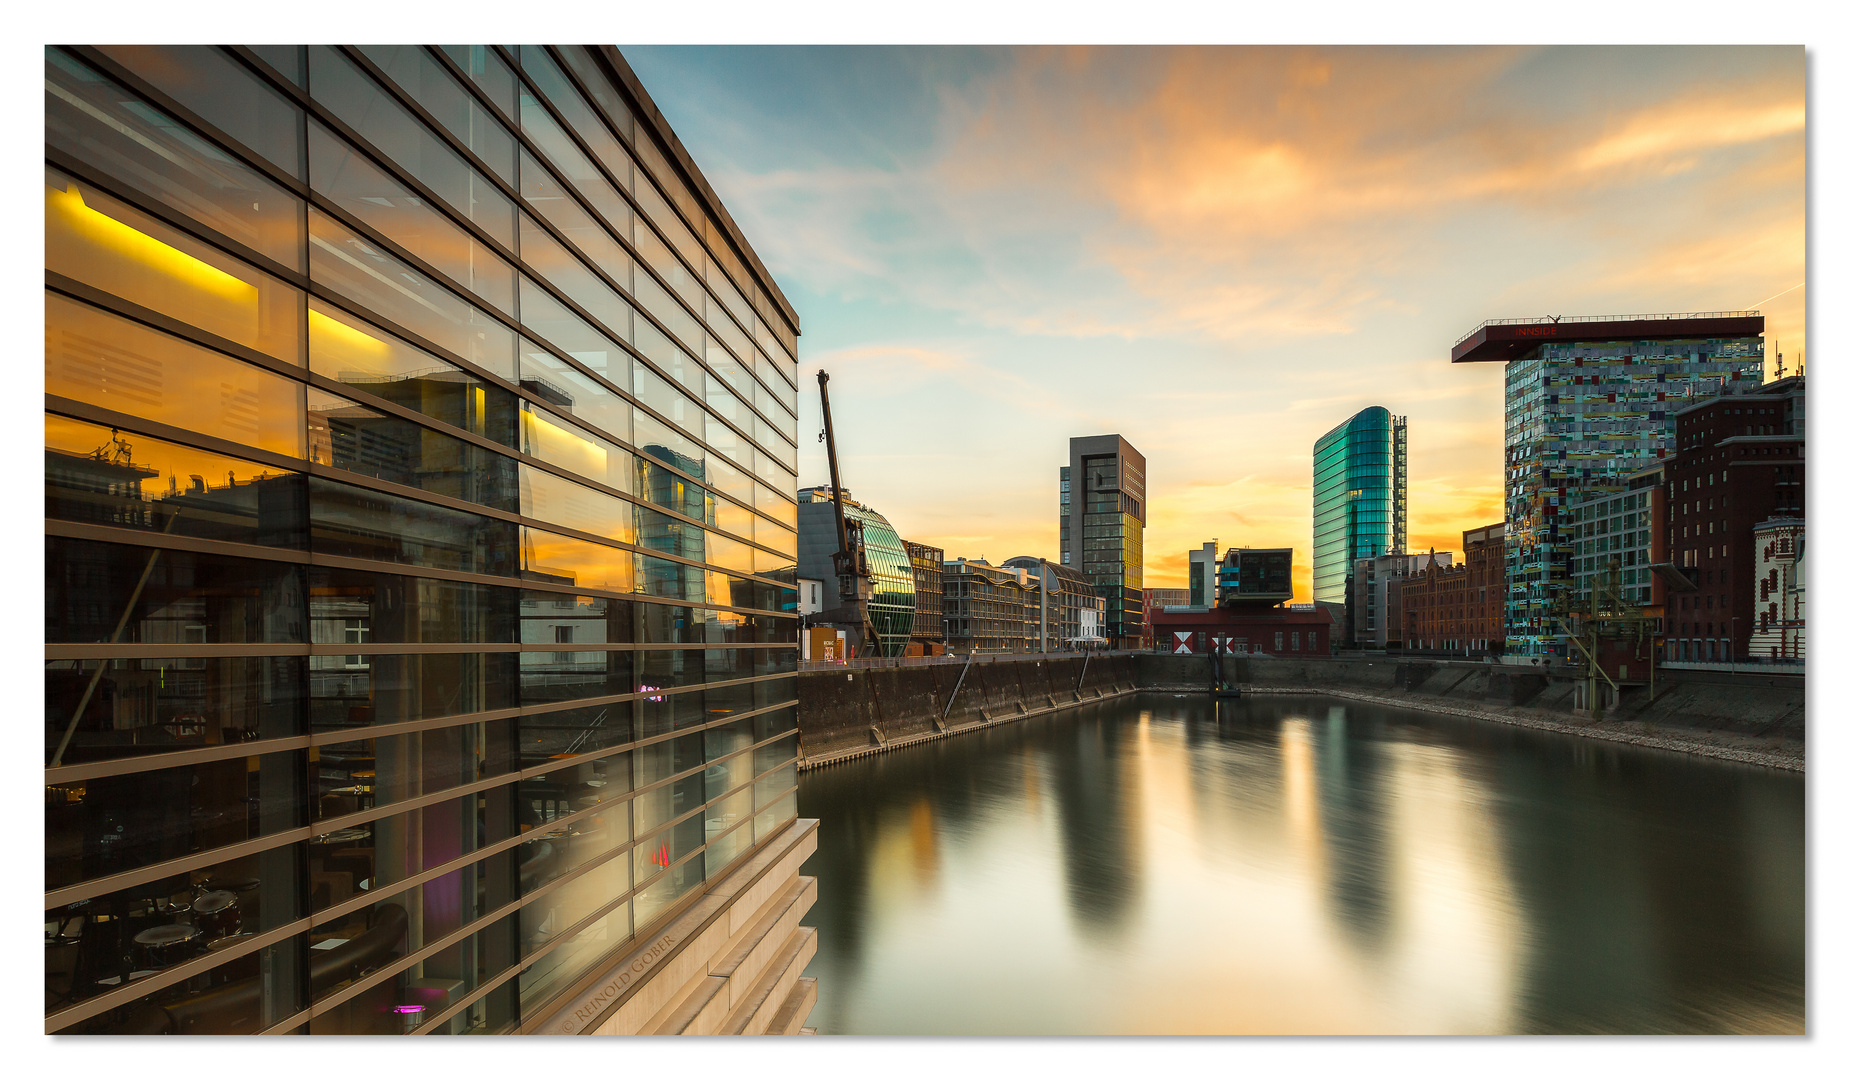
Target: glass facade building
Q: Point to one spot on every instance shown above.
(1102, 514)
(1584, 407)
(1358, 498)
(895, 599)
(420, 536)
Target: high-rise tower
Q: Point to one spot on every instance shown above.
(1586, 401)
(1102, 514)
(1358, 497)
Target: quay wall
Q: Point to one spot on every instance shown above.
(1747, 710)
(847, 712)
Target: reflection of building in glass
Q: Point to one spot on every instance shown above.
(411, 663)
(1358, 497)
(1586, 402)
(888, 561)
(1102, 514)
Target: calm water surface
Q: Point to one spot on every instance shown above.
(1302, 866)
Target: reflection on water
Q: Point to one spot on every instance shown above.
(1300, 866)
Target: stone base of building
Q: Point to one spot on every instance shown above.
(730, 964)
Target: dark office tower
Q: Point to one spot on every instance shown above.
(1586, 402)
(421, 512)
(1358, 498)
(1102, 518)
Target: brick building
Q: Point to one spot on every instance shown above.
(1739, 461)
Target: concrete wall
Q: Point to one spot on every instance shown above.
(844, 713)
(1751, 704)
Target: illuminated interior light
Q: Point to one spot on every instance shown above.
(338, 336)
(106, 232)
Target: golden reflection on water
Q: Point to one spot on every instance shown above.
(1297, 871)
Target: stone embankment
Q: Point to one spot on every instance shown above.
(1747, 716)
(843, 713)
(848, 713)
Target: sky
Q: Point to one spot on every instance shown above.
(1221, 253)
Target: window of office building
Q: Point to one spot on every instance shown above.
(420, 581)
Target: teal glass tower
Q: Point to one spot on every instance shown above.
(1358, 497)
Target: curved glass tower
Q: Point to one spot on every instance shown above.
(1358, 497)
(895, 598)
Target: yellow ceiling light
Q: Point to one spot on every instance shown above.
(327, 332)
(66, 212)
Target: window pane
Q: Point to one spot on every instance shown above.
(567, 561)
(425, 80)
(571, 391)
(113, 247)
(352, 607)
(569, 676)
(367, 192)
(351, 436)
(552, 439)
(552, 498)
(223, 92)
(120, 823)
(149, 706)
(550, 199)
(345, 349)
(353, 97)
(376, 280)
(363, 524)
(183, 597)
(386, 688)
(97, 474)
(553, 262)
(97, 121)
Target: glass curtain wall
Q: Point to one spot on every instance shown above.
(420, 537)
(1358, 497)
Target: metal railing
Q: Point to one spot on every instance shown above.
(961, 658)
(1658, 317)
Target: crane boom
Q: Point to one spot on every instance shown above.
(851, 573)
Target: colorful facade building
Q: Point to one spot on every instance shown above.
(1586, 402)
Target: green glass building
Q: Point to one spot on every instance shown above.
(895, 599)
(1358, 498)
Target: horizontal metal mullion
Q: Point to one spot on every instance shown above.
(128, 879)
(97, 770)
(200, 126)
(168, 215)
(641, 264)
(167, 324)
(141, 988)
(142, 538)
